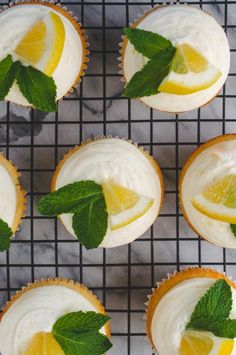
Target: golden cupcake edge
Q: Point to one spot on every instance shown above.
(173, 280)
(76, 286)
(191, 158)
(20, 192)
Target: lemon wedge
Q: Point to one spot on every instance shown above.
(124, 205)
(204, 343)
(43, 44)
(190, 72)
(43, 344)
(218, 200)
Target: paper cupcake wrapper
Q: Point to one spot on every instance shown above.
(77, 26)
(80, 288)
(186, 166)
(164, 286)
(20, 192)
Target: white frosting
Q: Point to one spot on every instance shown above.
(121, 161)
(8, 197)
(183, 24)
(14, 24)
(35, 311)
(174, 311)
(213, 163)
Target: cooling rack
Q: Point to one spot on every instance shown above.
(35, 142)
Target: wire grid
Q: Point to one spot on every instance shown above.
(35, 142)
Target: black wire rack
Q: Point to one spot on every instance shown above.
(121, 277)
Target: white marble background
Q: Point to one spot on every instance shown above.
(121, 277)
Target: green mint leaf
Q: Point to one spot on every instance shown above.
(70, 197)
(78, 333)
(213, 307)
(5, 236)
(233, 229)
(146, 42)
(81, 321)
(90, 223)
(8, 71)
(147, 81)
(38, 88)
(225, 329)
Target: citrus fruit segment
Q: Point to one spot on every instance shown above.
(43, 44)
(124, 205)
(195, 343)
(218, 200)
(43, 344)
(32, 45)
(204, 343)
(190, 72)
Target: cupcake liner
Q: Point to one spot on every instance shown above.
(186, 166)
(20, 192)
(80, 288)
(77, 26)
(88, 141)
(124, 42)
(164, 286)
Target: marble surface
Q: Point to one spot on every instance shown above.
(121, 277)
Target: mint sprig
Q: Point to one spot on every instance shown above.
(233, 229)
(212, 312)
(5, 236)
(78, 333)
(85, 200)
(160, 52)
(38, 88)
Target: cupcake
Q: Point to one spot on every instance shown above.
(107, 192)
(12, 202)
(175, 58)
(43, 54)
(193, 312)
(208, 191)
(49, 316)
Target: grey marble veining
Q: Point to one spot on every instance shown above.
(174, 241)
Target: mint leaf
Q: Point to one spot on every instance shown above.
(225, 328)
(146, 42)
(78, 333)
(213, 308)
(38, 88)
(5, 235)
(8, 71)
(81, 321)
(146, 81)
(90, 223)
(70, 197)
(233, 229)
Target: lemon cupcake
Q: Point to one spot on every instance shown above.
(12, 202)
(54, 316)
(193, 312)
(175, 58)
(43, 54)
(107, 192)
(208, 191)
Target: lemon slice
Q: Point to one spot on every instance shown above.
(218, 200)
(204, 343)
(43, 344)
(190, 72)
(124, 205)
(43, 44)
